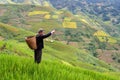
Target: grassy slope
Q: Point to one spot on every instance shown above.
(57, 51)
(86, 27)
(53, 51)
(22, 68)
(75, 56)
(10, 32)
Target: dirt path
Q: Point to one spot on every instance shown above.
(2, 11)
(1, 38)
(107, 55)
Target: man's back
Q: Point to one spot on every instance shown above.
(39, 40)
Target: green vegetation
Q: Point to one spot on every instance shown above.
(46, 24)
(107, 11)
(15, 67)
(28, 25)
(10, 32)
(57, 51)
(59, 61)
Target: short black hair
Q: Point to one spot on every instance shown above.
(40, 30)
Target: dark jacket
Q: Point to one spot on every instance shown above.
(39, 40)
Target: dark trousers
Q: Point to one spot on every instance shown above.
(37, 55)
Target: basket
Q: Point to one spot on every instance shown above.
(31, 42)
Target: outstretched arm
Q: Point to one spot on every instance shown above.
(47, 35)
(53, 31)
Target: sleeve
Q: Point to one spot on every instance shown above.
(46, 35)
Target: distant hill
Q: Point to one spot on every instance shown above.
(30, 2)
(106, 10)
(99, 10)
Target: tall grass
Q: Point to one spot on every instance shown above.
(56, 51)
(22, 68)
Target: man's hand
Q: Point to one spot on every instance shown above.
(53, 31)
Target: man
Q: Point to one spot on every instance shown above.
(40, 44)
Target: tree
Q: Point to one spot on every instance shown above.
(92, 49)
(102, 45)
(67, 35)
(5, 19)
(105, 18)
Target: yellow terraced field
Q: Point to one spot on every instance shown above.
(69, 24)
(101, 33)
(37, 12)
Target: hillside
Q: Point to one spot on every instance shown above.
(10, 32)
(19, 2)
(33, 17)
(54, 50)
(76, 30)
(15, 67)
(57, 51)
(106, 10)
(83, 47)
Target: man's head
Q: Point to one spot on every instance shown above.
(40, 31)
